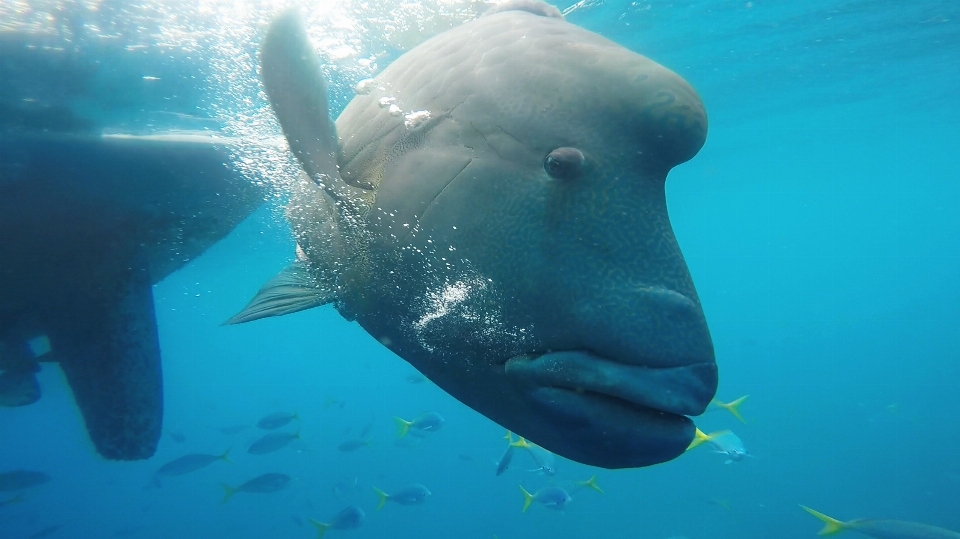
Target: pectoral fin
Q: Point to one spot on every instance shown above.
(111, 358)
(294, 289)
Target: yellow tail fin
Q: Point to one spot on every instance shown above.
(383, 498)
(733, 406)
(830, 525)
(698, 438)
(321, 527)
(228, 492)
(591, 483)
(521, 442)
(527, 498)
(226, 456)
(403, 426)
(508, 437)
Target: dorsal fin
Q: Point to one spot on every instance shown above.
(292, 78)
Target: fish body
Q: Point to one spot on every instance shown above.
(497, 185)
(350, 518)
(274, 441)
(190, 463)
(882, 528)
(90, 222)
(415, 494)
(545, 460)
(729, 444)
(262, 484)
(276, 420)
(350, 446)
(420, 426)
(21, 480)
(551, 497)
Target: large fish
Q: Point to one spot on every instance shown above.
(494, 213)
(88, 223)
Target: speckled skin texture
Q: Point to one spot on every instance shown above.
(559, 307)
(87, 225)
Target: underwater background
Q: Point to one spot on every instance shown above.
(819, 222)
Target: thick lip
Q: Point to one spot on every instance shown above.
(681, 390)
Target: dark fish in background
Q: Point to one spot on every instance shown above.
(297, 520)
(177, 436)
(262, 484)
(276, 420)
(21, 480)
(416, 378)
(352, 445)
(233, 429)
(410, 495)
(366, 429)
(49, 530)
(190, 463)
(423, 424)
(349, 519)
(331, 402)
(346, 490)
(274, 441)
(465, 458)
(10, 501)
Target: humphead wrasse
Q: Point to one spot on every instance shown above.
(492, 210)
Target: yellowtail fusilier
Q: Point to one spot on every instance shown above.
(733, 406)
(551, 497)
(274, 441)
(882, 529)
(410, 495)
(190, 463)
(421, 425)
(349, 519)
(350, 446)
(262, 484)
(276, 420)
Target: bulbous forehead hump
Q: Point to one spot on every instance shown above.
(519, 66)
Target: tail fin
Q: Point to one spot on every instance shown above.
(591, 483)
(521, 442)
(321, 527)
(226, 456)
(508, 437)
(527, 498)
(698, 438)
(228, 492)
(733, 407)
(831, 525)
(383, 498)
(403, 426)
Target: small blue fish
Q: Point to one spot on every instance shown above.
(190, 463)
(262, 484)
(729, 444)
(274, 441)
(349, 519)
(421, 425)
(550, 497)
(346, 490)
(21, 480)
(410, 495)
(276, 420)
(352, 445)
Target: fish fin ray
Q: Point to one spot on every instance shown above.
(294, 289)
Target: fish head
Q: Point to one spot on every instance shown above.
(525, 221)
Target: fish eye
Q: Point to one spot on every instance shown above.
(564, 163)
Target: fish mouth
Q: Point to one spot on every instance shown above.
(681, 390)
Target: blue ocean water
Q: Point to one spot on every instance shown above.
(818, 222)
